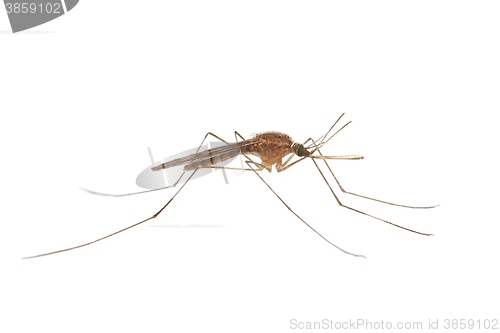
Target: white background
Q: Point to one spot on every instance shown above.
(82, 97)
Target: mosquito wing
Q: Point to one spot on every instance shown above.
(205, 158)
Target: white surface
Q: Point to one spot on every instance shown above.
(81, 104)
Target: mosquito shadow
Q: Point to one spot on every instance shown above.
(187, 226)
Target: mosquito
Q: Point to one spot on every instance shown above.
(271, 148)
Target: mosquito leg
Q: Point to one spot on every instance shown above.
(353, 209)
(211, 134)
(116, 232)
(359, 195)
(236, 135)
(122, 195)
(365, 197)
(229, 168)
(290, 209)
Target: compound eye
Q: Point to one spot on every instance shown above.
(301, 151)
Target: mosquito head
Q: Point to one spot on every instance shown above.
(300, 150)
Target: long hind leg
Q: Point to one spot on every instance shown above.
(116, 232)
(307, 224)
(358, 211)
